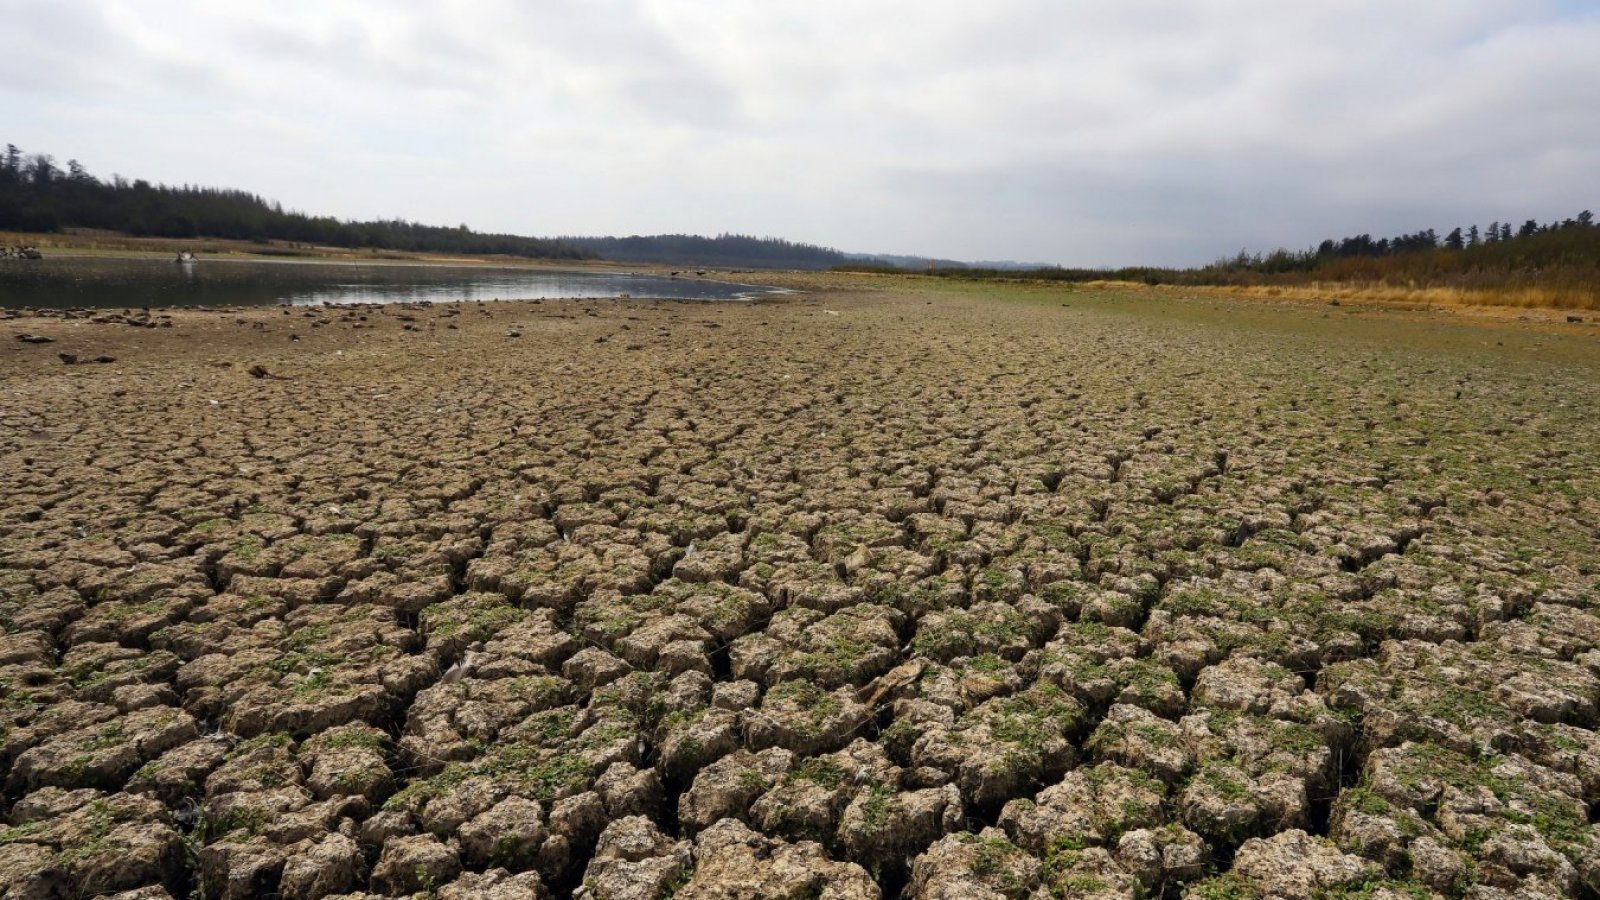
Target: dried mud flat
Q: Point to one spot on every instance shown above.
(908, 592)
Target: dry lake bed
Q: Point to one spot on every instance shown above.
(891, 588)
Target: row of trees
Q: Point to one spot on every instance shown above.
(37, 196)
(1495, 232)
(1558, 261)
(1363, 246)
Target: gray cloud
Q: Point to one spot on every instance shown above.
(1074, 132)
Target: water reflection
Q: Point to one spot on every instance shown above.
(119, 283)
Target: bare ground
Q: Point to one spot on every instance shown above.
(887, 589)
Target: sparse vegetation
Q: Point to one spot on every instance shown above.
(957, 590)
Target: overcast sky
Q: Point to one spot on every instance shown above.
(1080, 132)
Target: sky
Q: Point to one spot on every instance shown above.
(1073, 132)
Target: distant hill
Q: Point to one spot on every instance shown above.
(900, 261)
(724, 251)
(1008, 265)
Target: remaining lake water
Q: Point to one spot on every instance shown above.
(99, 282)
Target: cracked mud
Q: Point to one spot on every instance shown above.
(876, 591)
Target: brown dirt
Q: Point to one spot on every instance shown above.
(871, 587)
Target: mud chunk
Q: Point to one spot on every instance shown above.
(1249, 685)
(1226, 804)
(510, 834)
(255, 765)
(30, 870)
(810, 798)
(416, 863)
(332, 865)
(452, 626)
(629, 791)
(734, 863)
(1091, 805)
(881, 828)
(735, 695)
(974, 865)
(144, 610)
(1170, 854)
(1006, 746)
(349, 759)
(531, 644)
(1007, 630)
(1097, 681)
(593, 667)
(720, 558)
(179, 772)
(1135, 738)
(447, 721)
(730, 785)
(385, 824)
(495, 884)
(458, 802)
(86, 843)
(1294, 864)
(689, 741)
(102, 755)
(25, 647)
(99, 670)
(801, 717)
(633, 860)
(851, 646)
(48, 611)
(1435, 864)
(1089, 872)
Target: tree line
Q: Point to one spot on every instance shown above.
(1558, 260)
(1479, 246)
(37, 196)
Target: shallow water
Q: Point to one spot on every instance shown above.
(120, 283)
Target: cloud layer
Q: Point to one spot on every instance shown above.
(1069, 131)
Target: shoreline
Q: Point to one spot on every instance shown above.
(94, 282)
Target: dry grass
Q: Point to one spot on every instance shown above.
(1518, 298)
